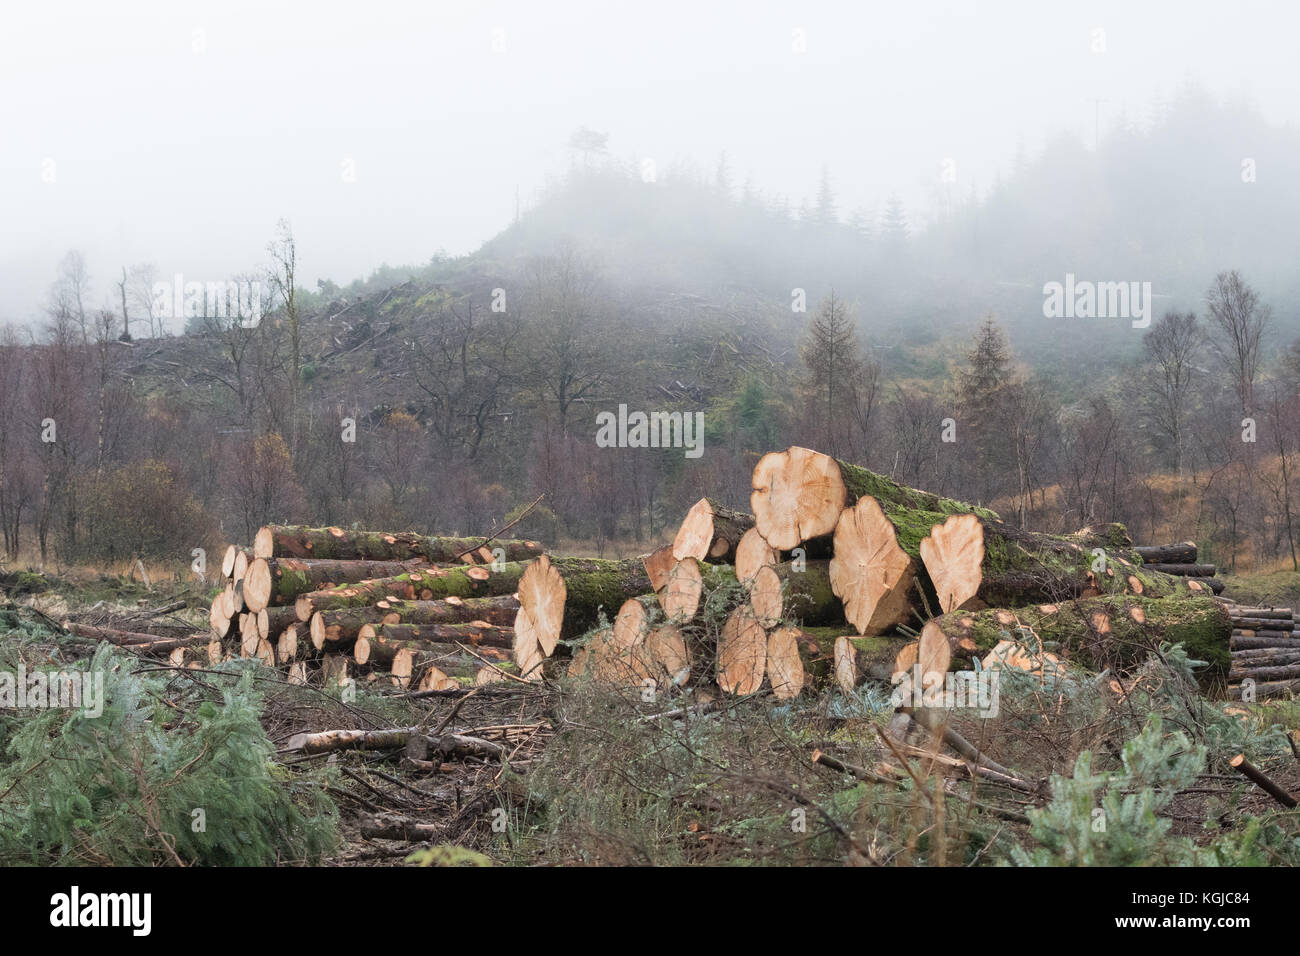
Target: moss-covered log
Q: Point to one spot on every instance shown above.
(798, 494)
(974, 562)
(1113, 631)
(343, 624)
(426, 584)
(277, 581)
(298, 541)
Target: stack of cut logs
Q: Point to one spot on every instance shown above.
(1265, 647)
(423, 610)
(836, 574)
(1180, 561)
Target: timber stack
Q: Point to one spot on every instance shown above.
(834, 574)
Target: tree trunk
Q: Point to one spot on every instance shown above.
(871, 572)
(799, 494)
(276, 581)
(343, 624)
(297, 541)
(1113, 631)
(1184, 553)
(711, 532)
(973, 562)
(795, 591)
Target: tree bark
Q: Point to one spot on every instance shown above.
(1112, 631)
(276, 581)
(298, 541)
(798, 494)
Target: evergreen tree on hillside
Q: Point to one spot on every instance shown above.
(985, 392)
(832, 361)
(893, 224)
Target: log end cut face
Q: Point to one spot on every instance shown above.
(870, 572)
(785, 670)
(257, 585)
(742, 653)
(753, 552)
(953, 553)
(797, 494)
(695, 535)
(542, 593)
(680, 597)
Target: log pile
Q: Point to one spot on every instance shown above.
(428, 612)
(835, 575)
(1180, 561)
(1265, 649)
(839, 568)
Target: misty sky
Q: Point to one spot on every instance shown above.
(178, 133)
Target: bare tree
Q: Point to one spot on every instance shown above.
(1172, 348)
(284, 251)
(1241, 319)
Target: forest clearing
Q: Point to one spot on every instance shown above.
(774, 687)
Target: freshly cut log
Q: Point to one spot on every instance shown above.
(1266, 655)
(1280, 613)
(427, 584)
(766, 597)
(271, 621)
(475, 634)
(249, 640)
(659, 566)
(784, 665)
(711, 532)
(870, 572)
(338, 629)
(218, 619)
(633, 620)
(275, 581)
(975, 562)
(1184, 553)
(286, 645)
(542, 593)
(686, 585)
(1103, 631)
(613, 660)
(228, 561)
(753, 552)
(742, 653)
(1183, 570)
(667, 651)
(241, 565)
(297, 541)
(795, 590)
(798, 494)
(344, 624)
